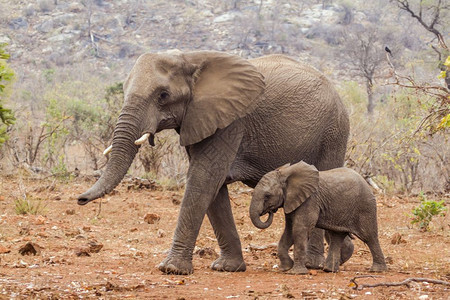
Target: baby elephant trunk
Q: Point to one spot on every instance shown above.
(256, 211)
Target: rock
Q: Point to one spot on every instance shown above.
(389, 260)
(40, 220)
(312, 272)
(18, 23)
(397, 239)
(4, 39)
(160, 233)
(207, 253)
(70, 212)
(151, 218)
(45, 26)
(176, 200)
(76, 7)
(94, 247)
(82, 252)
(141, 183)
(62, 37)
(30, 249)
(226, 17)
(4, 250)
(72, 232)
(29, 10)
(63, 20)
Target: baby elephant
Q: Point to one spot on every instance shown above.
(338, 200)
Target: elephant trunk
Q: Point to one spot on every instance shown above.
(122, 155)
(256, 209)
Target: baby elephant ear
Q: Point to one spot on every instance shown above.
(226, 88)
(302, 180)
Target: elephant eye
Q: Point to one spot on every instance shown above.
(163, 97)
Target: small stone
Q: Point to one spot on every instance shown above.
(176, 201)
(82, 252)
(397, 239)
(151, 218)
(42, 234)
(389, 260)
(94, 247)
(4, 250)
(72, 232)
(86, 228)
(160, 233)
(206, 253)
(312, 272)
(57, 198)
(134, 229)
(40, 220)
(30, 249)
(70, 212)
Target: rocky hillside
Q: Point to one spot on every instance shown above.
(48, 34)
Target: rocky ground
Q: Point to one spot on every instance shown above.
(109, 249)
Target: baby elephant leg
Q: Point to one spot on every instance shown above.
(333, 260)
(300, 242)
(379, 263)
(284, 244)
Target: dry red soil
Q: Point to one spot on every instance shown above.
(68, 264)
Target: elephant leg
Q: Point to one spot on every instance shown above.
(300, 241)
(334, 253)
(303, 224)
(221, 218)
(210, 160)
(284, 244)
(370, 237)
(346, 249)
(315, 250)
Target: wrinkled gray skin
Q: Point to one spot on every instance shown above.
(238, 119)
(337, 200)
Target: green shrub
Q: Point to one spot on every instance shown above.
(424, 213)
(24, 206)
(6, 77)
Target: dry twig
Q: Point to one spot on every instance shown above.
(406, 282)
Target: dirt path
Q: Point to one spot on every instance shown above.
(69, 236)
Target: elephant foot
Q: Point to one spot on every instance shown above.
(298, 270)
(315, 261)
(332, 264)
(346, 249)
(229, 265)
(286, 265)
(377, 267)
(176, 266)
(332, 268)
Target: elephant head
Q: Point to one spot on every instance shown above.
(195, 93)
(287, 187)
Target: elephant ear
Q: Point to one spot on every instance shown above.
(226, 88)
(302, 180)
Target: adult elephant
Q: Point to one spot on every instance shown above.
(238, 119)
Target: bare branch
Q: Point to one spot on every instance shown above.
(404, 282)
(404, 5)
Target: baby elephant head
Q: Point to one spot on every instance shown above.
(287, 187)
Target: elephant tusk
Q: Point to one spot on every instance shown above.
(142, 139)
(107, 150)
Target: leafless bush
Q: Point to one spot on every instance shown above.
(166, 161)
(386, 148)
